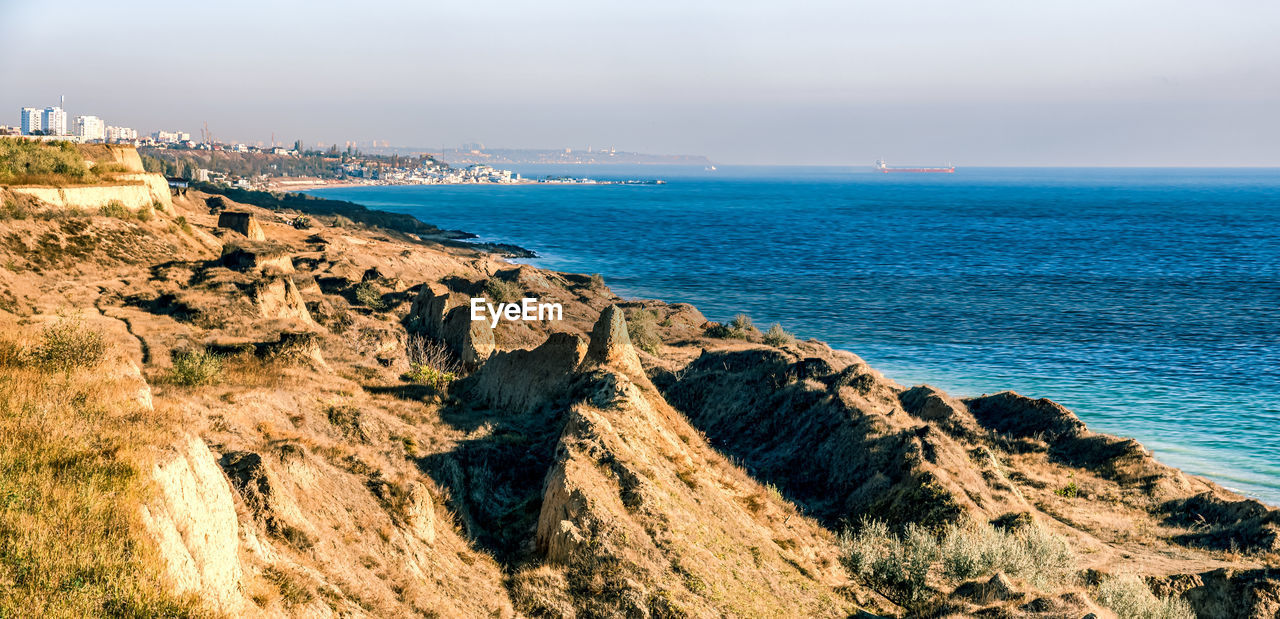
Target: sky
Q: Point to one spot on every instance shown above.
(980, 82)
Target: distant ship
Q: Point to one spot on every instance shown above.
(881, 166)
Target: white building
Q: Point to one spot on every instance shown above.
(54, 121)
(90, 128)
(121, 134)
(171, 137)
(31, 122)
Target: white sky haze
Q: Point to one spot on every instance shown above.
(925, 81)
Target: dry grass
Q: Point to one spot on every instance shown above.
(1130, 598)
(71, 446)
(642, 327)
(904, 566)
(431, 363)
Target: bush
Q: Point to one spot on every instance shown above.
(301, 222)
(742, 322)
(69, 344)
(368, 295)
(115, 209)
(144, 214)
(500, 290)
(1130, 598)
(430, 363)
(777, 336)
(195, 368)
(897, 565)
(642, 327)
(596, 282)
(182, 222)
(1031, 553)
(1069, 491)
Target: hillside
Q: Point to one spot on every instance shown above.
(278, 409)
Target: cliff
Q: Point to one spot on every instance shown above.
(311, 426)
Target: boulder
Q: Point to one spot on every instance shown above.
(471, 340)
(244, 223)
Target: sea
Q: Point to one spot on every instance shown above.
(1145, 300)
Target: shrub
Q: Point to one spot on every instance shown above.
(1030, 552)
(742, 322)
(115, 209)
(194, 368)
(69, 344)
(1130, 598)
(430, 363)
(157, 205)
(777, 336)
(301, 222)
(897, 565)
(182, 222)
(144, 214)
(596, 282)
(642, 327)
(1070, 491)
(500, 290)
(367, 294)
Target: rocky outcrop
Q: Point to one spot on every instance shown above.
(521, 380)
(192, 520)
(471, 340)
(242, 222)
(1022, 417)
(426, 315)
(420, 513)
(257, 256)
(637, 503)
(278, 298)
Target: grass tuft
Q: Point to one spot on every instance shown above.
(778, 337)
(642, 327)
(195, 368)
(369, 296)
(499, 290)
(68, 344)
(1129, 598)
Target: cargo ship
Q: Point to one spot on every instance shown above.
(881, 166)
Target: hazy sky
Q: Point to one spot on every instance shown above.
(1018, 82)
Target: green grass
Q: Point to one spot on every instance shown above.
(27, 162)
(426, 375)
(368, 295)
(195, 368)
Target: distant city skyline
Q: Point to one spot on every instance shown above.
(750, 82)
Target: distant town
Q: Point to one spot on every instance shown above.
(278, 166)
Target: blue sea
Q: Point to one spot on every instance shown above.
(1146, 300)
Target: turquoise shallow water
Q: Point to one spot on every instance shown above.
(1144, 300)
